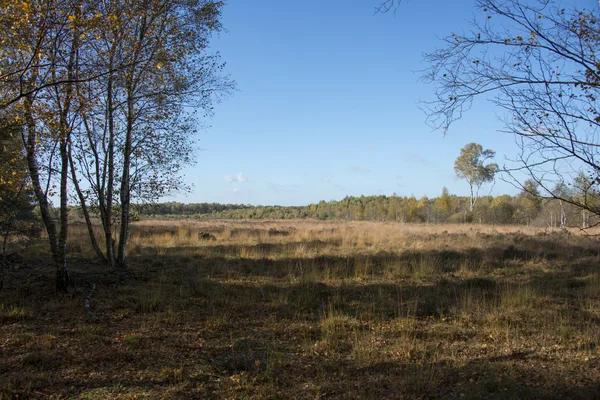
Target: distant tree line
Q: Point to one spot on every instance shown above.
(523, 209)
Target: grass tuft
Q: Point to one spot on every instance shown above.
(13, 313)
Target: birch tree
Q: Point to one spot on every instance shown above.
(38, 58)
(470, 166)
(138, 124)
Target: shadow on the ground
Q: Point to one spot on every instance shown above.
(259, 320)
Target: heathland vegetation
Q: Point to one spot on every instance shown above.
(309, 309)
(106, 293)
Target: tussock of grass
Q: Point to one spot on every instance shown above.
(132, 340)
(522, 295)
(13, 313)
(426, 267)
(150, 299)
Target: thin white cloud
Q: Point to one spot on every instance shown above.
(237, 178)
(326, 180)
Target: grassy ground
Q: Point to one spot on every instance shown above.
(311, 310)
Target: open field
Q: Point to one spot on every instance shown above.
(301, 309)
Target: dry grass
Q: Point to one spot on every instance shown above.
(302, 309)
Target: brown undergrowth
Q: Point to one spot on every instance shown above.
(309, 310)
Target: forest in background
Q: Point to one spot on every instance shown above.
(523, 209)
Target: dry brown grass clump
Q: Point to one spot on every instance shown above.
(305, 309)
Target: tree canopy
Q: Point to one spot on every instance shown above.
(470, 166)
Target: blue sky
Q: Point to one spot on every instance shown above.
(327, 105)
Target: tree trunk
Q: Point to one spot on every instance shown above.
(472, 198)
(126, 183)
(4, 264)
(62, 273)
(32, 165)
(125, 206)
(84, 209)
(100, 177)
(107, 219)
